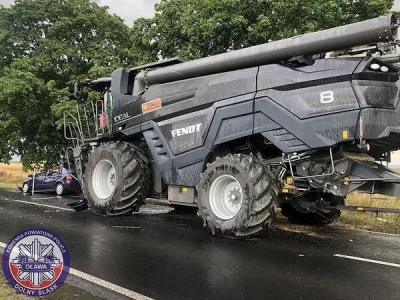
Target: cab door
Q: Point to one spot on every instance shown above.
(126, 108)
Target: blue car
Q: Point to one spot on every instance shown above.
(60, 181)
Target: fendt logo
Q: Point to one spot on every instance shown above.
(121, 117)
(186, 130)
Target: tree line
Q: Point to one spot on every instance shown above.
(47, 45)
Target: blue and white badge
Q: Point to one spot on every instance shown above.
(36, 262)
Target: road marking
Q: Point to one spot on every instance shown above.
(103, 283)
(44, 205)
(34, 198)
(113, 287)
(368, 260)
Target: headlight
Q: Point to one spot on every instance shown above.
(375, 66)
(384, 69)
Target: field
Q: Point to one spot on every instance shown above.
(370, 221)
(11, 175)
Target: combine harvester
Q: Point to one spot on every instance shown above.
(297, 123)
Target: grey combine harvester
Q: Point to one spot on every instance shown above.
(297, 124)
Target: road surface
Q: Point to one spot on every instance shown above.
(163, 254)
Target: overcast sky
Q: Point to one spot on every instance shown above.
(130, 10)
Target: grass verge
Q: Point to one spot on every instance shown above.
(382, 222)
(7, 292)
(11, 175)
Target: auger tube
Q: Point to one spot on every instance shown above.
(381, 29)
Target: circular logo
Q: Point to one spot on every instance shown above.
(36, 262)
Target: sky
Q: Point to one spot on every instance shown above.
(129, 10)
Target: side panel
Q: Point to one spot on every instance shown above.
(294, 108)
(180, 166)
(307, 107)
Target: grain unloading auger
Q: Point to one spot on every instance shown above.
(279, 124)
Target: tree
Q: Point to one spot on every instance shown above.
(46, 45)
(194, 29)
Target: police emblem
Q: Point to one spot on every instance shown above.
(36, 262)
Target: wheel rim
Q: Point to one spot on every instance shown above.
(104, 179)
(25, 188)
(59, 189)
(226, 197)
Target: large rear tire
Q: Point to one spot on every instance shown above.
(117, 179)
(237, 196)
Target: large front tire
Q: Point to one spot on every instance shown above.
(117, 179)
(237, 196)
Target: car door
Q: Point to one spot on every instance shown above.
(39, 181)
(50, 180)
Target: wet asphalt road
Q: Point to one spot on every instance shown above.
(170, 255)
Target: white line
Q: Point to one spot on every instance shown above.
(108, 285)
(113, 287)
(34, 198)
(45, 205)
(368, 260)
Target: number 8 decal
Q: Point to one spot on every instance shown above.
(327, 97)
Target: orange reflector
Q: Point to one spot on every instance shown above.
(360, 208)
(345, 134)
(103, 120)
(151, 105)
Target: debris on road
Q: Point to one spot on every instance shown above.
(79, 205)
(127, 227)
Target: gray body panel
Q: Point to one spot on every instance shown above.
(281, 103)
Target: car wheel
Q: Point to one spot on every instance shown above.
(25, 188)
(59, 189)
